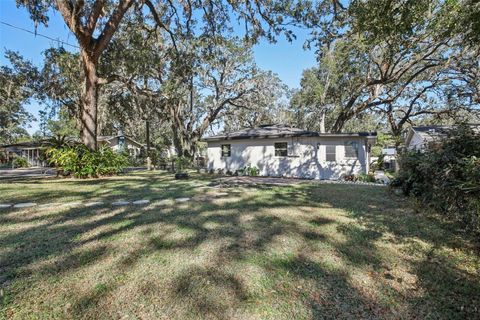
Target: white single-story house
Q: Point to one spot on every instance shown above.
(422, 138)
(284, 151)
(34, 151)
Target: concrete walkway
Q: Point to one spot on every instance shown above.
(74, 204)
(34, 172)
(42, 172)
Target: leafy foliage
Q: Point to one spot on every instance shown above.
(83, 163)
(398, 61)
(366, 177)
(446, 178)
(16, 89)
(383, 140)
(20, 162)
(182, 163)
(251, 171)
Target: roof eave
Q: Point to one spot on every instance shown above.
(307, 134)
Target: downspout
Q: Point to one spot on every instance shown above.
(367, 157)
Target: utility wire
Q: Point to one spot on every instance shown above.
(38, 34)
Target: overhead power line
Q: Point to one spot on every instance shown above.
(40, 35)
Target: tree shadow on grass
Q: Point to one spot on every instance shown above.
(208, 292)
(243, 231)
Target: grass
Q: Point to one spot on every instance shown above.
(308, 251)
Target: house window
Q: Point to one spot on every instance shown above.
(351, 149)
(226, 150)
(281, 149)
(330, 152)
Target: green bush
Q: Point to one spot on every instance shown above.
(82, 162)
(446, 179)
(182, 163)
(363, 177)
(251, 171)
(20, 162)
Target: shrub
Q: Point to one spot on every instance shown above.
(251, 171)
(363, 177)
(182, 163)
(20, 162)
(446, 179)
(380, 165)
(82, 162)
(135, 161)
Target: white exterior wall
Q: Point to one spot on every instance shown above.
(133, 149)
(305, 160)
(417, 142)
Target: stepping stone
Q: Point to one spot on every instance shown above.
(73, 204)
(5, 205)
(120, 203)
(25, 205)
(140, 202)
(93, 204)
(182, 199)
(165, 202)
(221, 194)
(49, 205)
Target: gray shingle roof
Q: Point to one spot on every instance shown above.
(278, 131)
(437, 133)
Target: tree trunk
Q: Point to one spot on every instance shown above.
(340, 122)
(89, 103)
(184, 142)
(147, 133)
(322, 120)
(178, 145)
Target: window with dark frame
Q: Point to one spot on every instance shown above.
(281, 149)
(226, 150)
(351, 149)
(330, 152)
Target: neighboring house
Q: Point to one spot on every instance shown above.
(389, 158)
(119, 142)
(168, 152)
(34, 152)
(280, 150)
(422, 138)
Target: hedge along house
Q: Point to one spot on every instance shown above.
(283, 151)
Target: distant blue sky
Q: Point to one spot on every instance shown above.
(283, 58)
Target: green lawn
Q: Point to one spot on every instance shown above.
(310, 251)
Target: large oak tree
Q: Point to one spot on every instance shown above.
(94, 23)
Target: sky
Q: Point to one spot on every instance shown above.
(287, 59)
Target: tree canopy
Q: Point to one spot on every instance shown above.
(17, 85)
(402, 60)
(186, 67)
